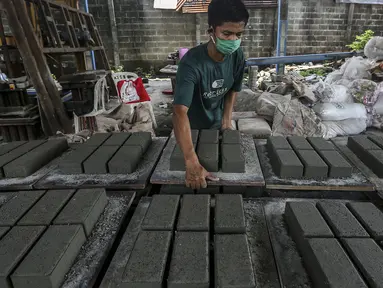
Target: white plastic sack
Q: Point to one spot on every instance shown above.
(257, 127)
(328, 93)
(267, 103)
(378, 107)
(374, 48)
(333, 77)
(356, 68)
(363, 91)
(340, 111)
(344, 127)
(344, 82)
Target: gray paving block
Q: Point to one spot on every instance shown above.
(36, 159)
(7, 147)
(84, 208)
(210, 190)
(72, 163)
(147, 262)
(374, 160)
(368, 257)
(314, 166)
(195, 213)
(177, 160)
(229, 215)
(232, 158)
(117, 139)
(358, 142)
(162, 212)
(16, 153)
(126, 160)
(97, 139)
(16, 207)
(329, 265)
(378, 140)
(320, 144)
(231, 137)
(175, 190)
(208, 156)
(3, 231)
(97, 163)
(341, 220)
(13, 247)
(189, 266)
(142, 139)
(46, 209)
(50, 259)
(232, 262)
(208, 137)
(370, 217)
(286, 164)
(299, 143)
(277, 143)
(338, 166)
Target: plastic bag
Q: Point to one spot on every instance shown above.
(378, 106)
(356, 68)
(344, 127)
(344, 82)
(340, 111)
(268, 102)
(374, 48)
(327, 93)
(363, 91)
(333, 77)
(132, 91)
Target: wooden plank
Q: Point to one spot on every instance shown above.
(68, 30)
(69, 50)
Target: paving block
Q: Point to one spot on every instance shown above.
(162, 212)
(368, 257)
(314, 166)
(35, 159)
(126, 160)
(13, 247)
(147, 262)
(370, 217)
(338, 166)
(374, 160)
(231, 137)
(329, 265)
(3, 231)
(286, 164)
(232, 158)
(378, 140)
(229, 214)
(175, 190)
(84, 208)
(210, 190)
(97, 139)
(208, 137)
(50, 259)
(46, 209)
(194, 213)
(189, 266)
(117, 139)
(208, 156)
(97, 163)
(7, 147)
(299, 143)
(320, 144)
(245, 191)
(341, 220)
(232, 259)
(72, 163)
(177, 160)
(361, 142)
(16, 207)
(277, 143)
(142, 139)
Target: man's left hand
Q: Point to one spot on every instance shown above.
(226, 125)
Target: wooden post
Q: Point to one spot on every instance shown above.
(113, 28)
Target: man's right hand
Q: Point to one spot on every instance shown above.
(196, 175)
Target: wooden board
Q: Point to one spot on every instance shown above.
(137, 180)
(252, 177)
(357, 181)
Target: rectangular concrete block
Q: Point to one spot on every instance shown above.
(208, 156)
(162, 212)
(329, 265)
(36, 159)
(232, 158)
(72, 163)
(189, 266)
(361, 142)
(16, 207)
(368, 257)
(320, 144)
(299, 143)
(46, 209)
(117, 139)
(3, 231)
(175, 190)
(338, 166)
(208, 137)
(97, 139)
(231, 137)
(7, 147)
(142, 139)
(232, 262)
(378, 140)
(84, 208)
(97, 163)
(126, 160)
(229, 214)
(147, 262)
(341, 220)
(370, 217)
(277, 143)
(177, 160)
(314, 166)
(209, 190)
(195, 213)
(50, 259)
(286, 164)
(374, 160)
(13, 247)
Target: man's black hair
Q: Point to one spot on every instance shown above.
(221, 11)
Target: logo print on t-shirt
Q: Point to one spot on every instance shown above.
(217, 84)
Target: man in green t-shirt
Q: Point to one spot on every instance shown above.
(208, 79)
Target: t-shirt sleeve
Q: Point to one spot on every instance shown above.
(186, 81)
(238, 73)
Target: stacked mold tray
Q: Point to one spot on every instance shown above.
(42, 232)
(196, 245)
(340, 243)
(312, 158)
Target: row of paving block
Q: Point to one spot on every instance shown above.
(42, 232)
(245, 191)
(339, 243)
(312, 158)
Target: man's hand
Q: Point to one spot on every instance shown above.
(196, 175)
(226, 125)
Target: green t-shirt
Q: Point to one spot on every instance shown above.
(202, 85)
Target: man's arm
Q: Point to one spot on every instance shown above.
(228, 109)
